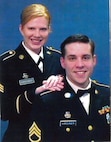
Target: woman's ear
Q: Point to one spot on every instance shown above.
(20, 29)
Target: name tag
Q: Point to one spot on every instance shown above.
(68, 123)
(26, 81)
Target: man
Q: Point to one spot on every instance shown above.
(80, 112)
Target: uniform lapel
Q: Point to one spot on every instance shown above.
(48, 64)
(26, 62)
(78, 108)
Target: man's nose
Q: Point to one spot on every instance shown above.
(79, 63)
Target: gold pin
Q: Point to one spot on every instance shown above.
(48, 52)
(67, 114)
(25, 75)
(21, 57)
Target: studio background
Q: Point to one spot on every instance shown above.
(90, 17)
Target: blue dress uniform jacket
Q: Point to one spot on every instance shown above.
(61, 116)
(19, 76)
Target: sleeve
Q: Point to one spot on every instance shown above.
(41, 124)
(15, 102)
(16, 106)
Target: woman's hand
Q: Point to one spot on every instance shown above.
(53, 83)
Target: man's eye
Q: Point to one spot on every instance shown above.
(86, 57)
(72, 58)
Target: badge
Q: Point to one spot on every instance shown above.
(26, 81)
(68, 123)
(104, 110)
(25, 75)
(108, 118)
(67, 114)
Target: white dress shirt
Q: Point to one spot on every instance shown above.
(35, 56)
(85, 99)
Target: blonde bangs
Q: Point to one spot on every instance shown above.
(34, 11)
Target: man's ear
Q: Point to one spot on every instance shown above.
(95, 60)
(62, 62)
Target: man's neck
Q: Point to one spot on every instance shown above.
(75, 87)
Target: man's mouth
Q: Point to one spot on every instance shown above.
(80, 72)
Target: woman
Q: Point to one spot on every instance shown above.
(24, 75)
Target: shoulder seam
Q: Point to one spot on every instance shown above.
(100, 84)
(44, 93)
(53, 49)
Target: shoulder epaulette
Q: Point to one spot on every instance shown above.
(53, 49)
(8, 54)
(100, 84)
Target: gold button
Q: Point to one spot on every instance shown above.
(68, 129)
(10, 52)
(21, 57)
(90, 127)
(96, 91)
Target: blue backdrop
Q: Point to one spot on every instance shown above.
(68, 17)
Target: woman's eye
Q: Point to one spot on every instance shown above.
(43, 29)
(31, 28)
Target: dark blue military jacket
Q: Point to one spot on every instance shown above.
(19, 76)
(61, 116)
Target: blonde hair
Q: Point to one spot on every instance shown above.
(33, 11)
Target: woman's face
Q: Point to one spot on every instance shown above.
(35, 33)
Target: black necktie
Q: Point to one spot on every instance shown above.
(82, 92)
(40, 60)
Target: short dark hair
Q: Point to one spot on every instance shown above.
(77, 38)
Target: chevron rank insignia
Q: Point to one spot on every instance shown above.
(34, 133)
(1, 88)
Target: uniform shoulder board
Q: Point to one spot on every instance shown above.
(8, 54)
(53, 49)
(100, 84)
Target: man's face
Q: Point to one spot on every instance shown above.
(78, 63)
(35, 33)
